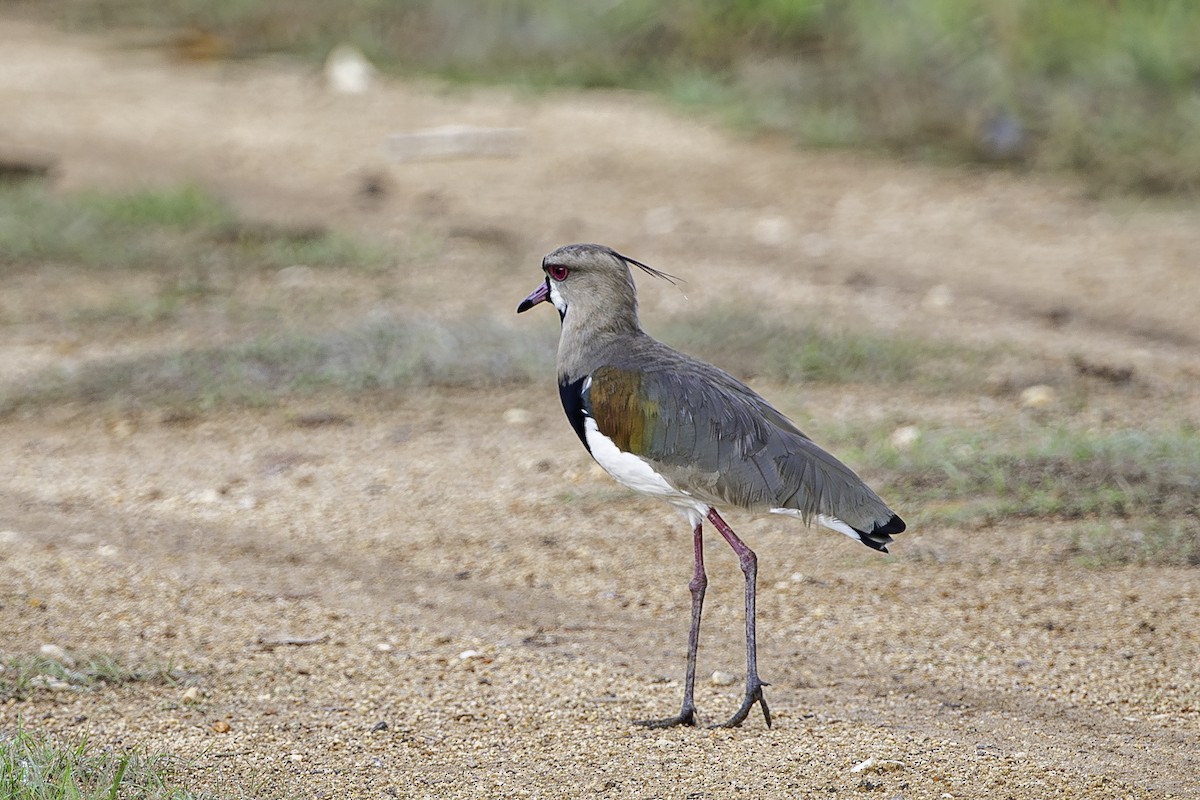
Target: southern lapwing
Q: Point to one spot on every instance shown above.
(671, 426)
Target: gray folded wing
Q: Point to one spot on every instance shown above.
(714, 437)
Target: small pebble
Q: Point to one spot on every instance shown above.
(878, 765)
(517, 416)
(383, 647)
(220, 726)
(770, 231)
(904, 437)
(815, 245)
(294, 276)
(108, 551)
(1038, 396)
(723, 678)
(192, 695)
(56, 653)
(940, 296)
(660, 221)
(467, 655)
(347, 70)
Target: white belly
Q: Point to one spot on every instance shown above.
(636, 473)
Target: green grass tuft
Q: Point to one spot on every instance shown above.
(34, 767)
(21, 677)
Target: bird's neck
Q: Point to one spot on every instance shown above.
(588, 342)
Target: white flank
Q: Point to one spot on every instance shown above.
(833, 523)
(635, 473)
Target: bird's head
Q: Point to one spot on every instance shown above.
(590, 281)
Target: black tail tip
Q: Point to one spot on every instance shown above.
(893, 525)
(880, 536)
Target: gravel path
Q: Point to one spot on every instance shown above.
(441, 600)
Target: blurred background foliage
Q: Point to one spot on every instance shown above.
(1109, 89)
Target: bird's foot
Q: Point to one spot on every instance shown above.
(754, 694)
(687, 716)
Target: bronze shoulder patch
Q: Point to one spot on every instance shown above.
(621, 411)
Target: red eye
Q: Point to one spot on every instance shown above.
(559, 273)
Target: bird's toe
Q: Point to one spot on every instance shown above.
(754, 696)
(686, 717)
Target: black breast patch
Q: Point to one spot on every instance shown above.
(575, 405)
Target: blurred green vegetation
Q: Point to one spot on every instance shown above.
(1130, 496)
(1110, 90)
(155, 229)
(753, 346)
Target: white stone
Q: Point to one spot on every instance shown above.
(1038, 396)
(904, 437)
(295, 276)
(347, 70)
(771, 231)
(815, 245)
(938, 297)
(467, 655)
(720, 678)
(660, 221)
(456, 141)
(878, 765)
(517, 416)
(56, 653)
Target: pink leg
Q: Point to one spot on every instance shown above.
(699, 582)
(749, 564)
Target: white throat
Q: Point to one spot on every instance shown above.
(557, 298)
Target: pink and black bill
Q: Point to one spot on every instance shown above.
(538, 295)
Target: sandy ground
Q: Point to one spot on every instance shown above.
(467, 578)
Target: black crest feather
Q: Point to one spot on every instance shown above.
(669, 278)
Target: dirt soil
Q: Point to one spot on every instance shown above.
(436, 595)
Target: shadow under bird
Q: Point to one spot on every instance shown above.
(671, 426)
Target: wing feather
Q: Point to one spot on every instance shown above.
(712, 436)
